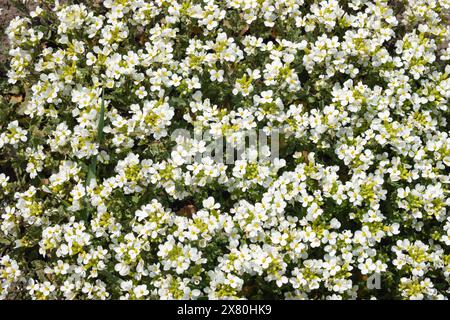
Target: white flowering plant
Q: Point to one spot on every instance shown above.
(99, 199)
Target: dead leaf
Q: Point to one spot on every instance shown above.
(16, 99)
(244, 31)
(274, 34)
(305, 155)
(248, 290)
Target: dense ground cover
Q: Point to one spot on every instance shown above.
(101, 199)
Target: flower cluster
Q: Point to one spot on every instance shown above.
(101, 199)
